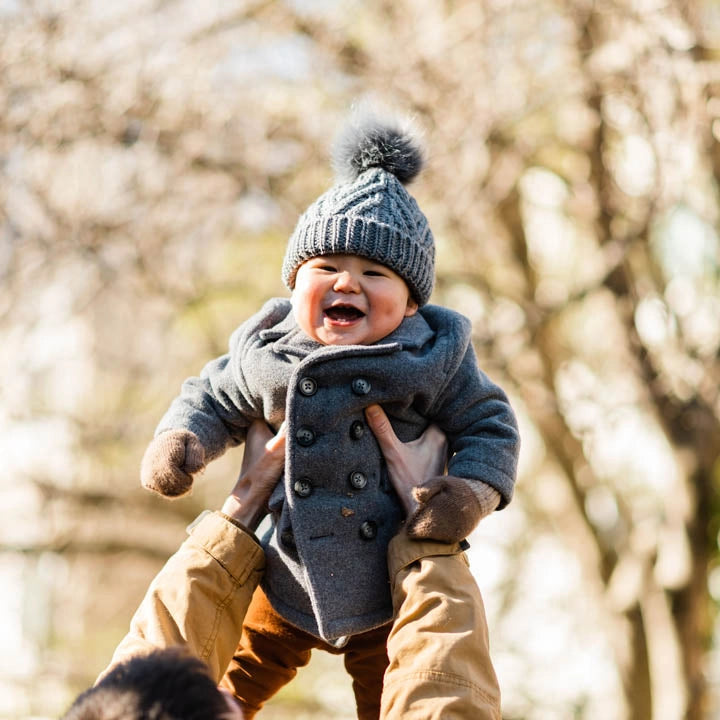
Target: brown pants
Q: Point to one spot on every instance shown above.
(271, 650)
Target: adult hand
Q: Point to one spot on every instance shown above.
(262, 464)
(412, 463)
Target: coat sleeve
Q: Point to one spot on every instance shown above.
(481, 427)
(438, 647)
(218, 405)
(200, 597)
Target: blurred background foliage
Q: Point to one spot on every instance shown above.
(154, 157)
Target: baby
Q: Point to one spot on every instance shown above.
(356, 331)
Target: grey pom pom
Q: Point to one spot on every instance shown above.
(369, 142)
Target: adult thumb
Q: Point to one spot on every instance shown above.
(381, 427)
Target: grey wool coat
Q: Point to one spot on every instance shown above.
(335, 512)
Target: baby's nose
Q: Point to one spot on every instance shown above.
(346, 282)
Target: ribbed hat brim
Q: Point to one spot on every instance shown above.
(411, 258)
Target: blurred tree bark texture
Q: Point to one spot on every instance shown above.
(155, 157)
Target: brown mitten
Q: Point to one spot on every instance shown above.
(170, 461)
(450, 508)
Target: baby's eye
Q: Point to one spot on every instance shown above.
(373, 273)
(326, 268)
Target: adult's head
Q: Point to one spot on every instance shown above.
(167, 684)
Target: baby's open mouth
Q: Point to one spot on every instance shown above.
(344, 313)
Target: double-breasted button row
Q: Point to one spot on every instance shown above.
(303, 486)
(306, 437)
(367, 531)
(308, 386)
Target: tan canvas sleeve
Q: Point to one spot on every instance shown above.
(200, 596)
(439, 652)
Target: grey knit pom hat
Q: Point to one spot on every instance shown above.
(369, 212)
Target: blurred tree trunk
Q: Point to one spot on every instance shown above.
(691, 426)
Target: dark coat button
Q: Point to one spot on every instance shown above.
(302, 487)
(360, 386)
(287, 539)
(368, 530)
(305, 436)
(307, 386)
(358, 480)
(357, 429)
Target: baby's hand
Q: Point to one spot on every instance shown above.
(170, 461)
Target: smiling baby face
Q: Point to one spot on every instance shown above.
(349, 300)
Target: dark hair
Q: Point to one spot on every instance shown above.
(168, 684)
